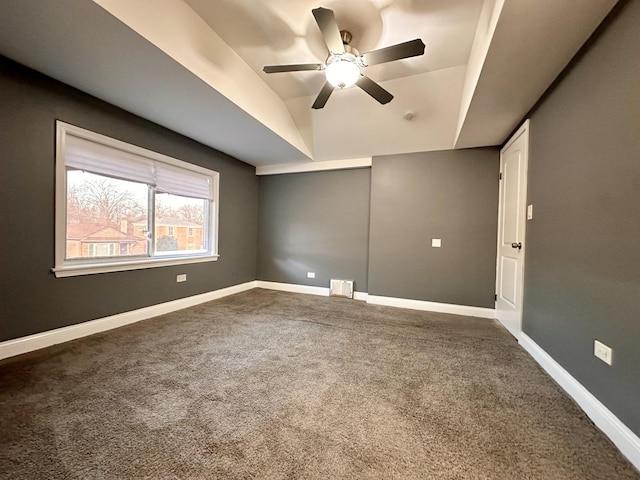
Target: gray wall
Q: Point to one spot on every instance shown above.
(314, 222)
(582, 272)
(31, 298)
(451, 195)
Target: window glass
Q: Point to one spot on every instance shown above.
(106, 217)
(179, 224)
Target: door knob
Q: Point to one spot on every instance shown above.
(517, 245)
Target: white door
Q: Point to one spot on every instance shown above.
(512, 212)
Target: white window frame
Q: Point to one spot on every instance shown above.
(87, 266)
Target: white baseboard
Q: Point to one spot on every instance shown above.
(362, 296)
(37, 341)
(294, 288)
(622, 437)
(432, 306)
(309, 290)
(387, 301)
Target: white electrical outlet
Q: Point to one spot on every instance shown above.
(436, 242)
(603, 352)
(529, 212)
(181, 277)
(311, 274)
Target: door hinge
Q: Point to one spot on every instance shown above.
(495, 297)
(500, 176)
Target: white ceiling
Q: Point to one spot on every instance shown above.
(284, 32)
(195, 66)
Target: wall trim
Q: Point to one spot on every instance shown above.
(432, 306)
(37, 341)
(386, 301)
(622, 437)
(308, 289)
(293, 288)
(362, 296)
(313, 166)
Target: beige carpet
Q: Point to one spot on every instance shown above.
(273, 385)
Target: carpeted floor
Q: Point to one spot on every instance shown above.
(273, 385)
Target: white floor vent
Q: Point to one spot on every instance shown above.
(341, 288)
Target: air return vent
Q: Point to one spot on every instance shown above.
(341, 288)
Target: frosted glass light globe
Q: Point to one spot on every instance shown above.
(342, 73)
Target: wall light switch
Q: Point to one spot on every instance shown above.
(529, 212)
(436, 242)
(311, 274)
(181, 277)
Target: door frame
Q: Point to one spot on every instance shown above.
(522, 130)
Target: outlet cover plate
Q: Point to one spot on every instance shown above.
(602, 351)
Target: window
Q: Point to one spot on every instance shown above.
(121, 207)
(101, 249)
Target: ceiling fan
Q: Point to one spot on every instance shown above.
(344, 63)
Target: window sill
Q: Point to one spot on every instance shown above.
(93, 268)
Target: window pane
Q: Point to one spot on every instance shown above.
(180, 224)
(106, 217)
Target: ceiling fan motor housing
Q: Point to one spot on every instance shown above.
(346, 36)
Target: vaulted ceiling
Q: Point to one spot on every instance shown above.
(195, 66)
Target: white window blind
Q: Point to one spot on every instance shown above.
(86, 155)
(179, 181)
(83, 154)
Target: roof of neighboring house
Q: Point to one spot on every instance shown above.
(171, 222)
(98, 233)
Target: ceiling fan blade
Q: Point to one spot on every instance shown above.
(326, 20)
(323, 96)
(293, 68)
(375, 90)
(408, 49)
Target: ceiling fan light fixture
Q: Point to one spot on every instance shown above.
(342, 71)
(342, 67)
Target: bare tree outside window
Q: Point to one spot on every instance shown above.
(101, 213)
(192, 212)
(104, 200)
